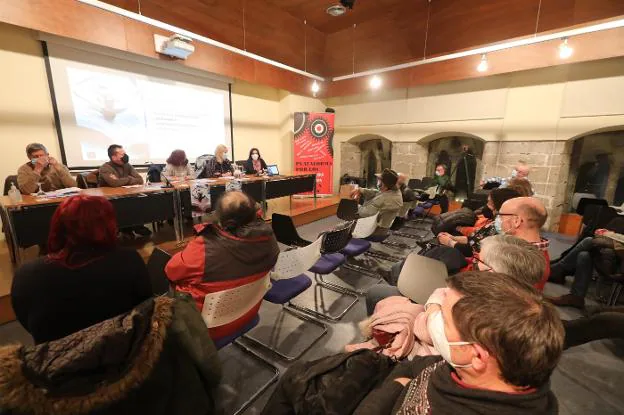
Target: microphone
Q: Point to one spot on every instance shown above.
(168, 184)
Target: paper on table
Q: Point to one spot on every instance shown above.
(58, 193)
(132, 186)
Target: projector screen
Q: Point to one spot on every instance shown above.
(150, 111)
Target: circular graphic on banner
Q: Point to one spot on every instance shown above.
(300, 122)
(319, 128)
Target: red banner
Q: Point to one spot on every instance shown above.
(314, 151)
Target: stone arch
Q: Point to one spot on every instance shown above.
(436, 136)
(364, 155)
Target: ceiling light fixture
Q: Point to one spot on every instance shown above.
(375, 82)
(336, 10)
(483, 65)
(315, 88)
(565, 50)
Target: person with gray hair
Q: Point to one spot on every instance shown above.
(42, 168)
(512, 256)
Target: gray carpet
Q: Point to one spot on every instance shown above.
(585, 382)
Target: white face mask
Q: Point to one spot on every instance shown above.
(255, 157)
(514, 173)
(435, 325)
(437, 173)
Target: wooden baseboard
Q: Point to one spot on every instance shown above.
(6, 310)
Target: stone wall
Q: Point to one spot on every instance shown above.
(410, 158)
(350, 159)
(550, 168)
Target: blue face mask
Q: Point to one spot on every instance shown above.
(498, 225)
(514, 173)
(33, 161)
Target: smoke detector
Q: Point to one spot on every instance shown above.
(336, 10)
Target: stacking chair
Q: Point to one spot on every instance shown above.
(285, 231)
(288, 280)
(332, 243)
(420, 276)
(414, 184)
(225, 306)
(156, 270)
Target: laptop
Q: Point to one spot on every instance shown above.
(420, 277)
(272, 170)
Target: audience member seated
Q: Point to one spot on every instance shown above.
(255, 163)
(119, 172)
(521, 171)
(504, 254)
(443, 181)
(499, 344)
(238, 249)
(601, 323)
(84, 279)
(178, 167)
(520, 185)
(523, 217)
(218, 166)
(155, 359)
(408, 194)
(580, 261)
(484, 226)
(44, 169)
(385, 200)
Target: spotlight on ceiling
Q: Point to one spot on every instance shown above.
(375, 82)
(483, 65)
(565, 50)
(340, 9)
(315, 88)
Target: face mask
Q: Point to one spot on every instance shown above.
(378, 184)
(255, 157)
(437, 173)
(487, 213)
(498, 225)
(33, 161)
(125, 158)
(514, 173)
(440, 342)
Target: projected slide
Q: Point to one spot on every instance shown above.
(150, 115)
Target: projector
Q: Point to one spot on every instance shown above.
(177, 46)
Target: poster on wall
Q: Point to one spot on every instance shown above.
(314, 151)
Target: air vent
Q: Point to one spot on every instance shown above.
(336, 10)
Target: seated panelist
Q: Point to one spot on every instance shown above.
(178, 167)
(218, 166)
(44, 169)
(255, 163)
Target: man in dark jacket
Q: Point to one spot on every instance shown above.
(238, 249)
(157, 359)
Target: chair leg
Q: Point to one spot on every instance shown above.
(383, 256)
(360, 270)
(264, 387)
(616, 290)
(320, 285)
(301, 316)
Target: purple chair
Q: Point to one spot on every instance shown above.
(288, 280)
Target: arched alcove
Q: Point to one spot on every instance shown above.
(364, 155)
(597, 166)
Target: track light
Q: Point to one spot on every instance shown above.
(565, 51)
(375, 82)
(483, 65)
(315, 88)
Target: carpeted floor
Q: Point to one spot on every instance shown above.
(585, 382)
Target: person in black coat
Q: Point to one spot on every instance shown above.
(255, 164)
(85, 279)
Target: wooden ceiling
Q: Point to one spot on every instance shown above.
(386, 32)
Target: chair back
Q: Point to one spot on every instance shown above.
(297, 261)
(365, 227)
(88, 180)
(426, 182)
(347, 209)
(156, 270)
(153, 173)
(414, 184)
(420, 276)
(240, 163)
(285, 231)
(200, 162)
(7, 183)
(586, 201)
(224, 307)
(386, 218)
(337, 238)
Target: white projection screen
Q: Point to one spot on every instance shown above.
(151, 111)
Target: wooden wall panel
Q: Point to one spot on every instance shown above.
(454, 26)
(556, 14)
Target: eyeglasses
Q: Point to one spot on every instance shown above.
(476, 265)
(506, 214)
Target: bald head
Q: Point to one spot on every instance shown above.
(529, 211)
(235, 209)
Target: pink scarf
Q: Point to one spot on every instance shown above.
(257, 165)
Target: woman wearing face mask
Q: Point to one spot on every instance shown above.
(255, 164)
(467, 243)
(218, 166)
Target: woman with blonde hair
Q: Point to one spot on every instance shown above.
(218, 166)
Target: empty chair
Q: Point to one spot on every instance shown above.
(285, 231)
(223, 307)
(414, 184)
(333, 241)
(586, 201)
(426, 182)
(347, 209)
(156, 270)
(288, 280)
(420, 276)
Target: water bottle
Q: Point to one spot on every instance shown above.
(14, 194)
